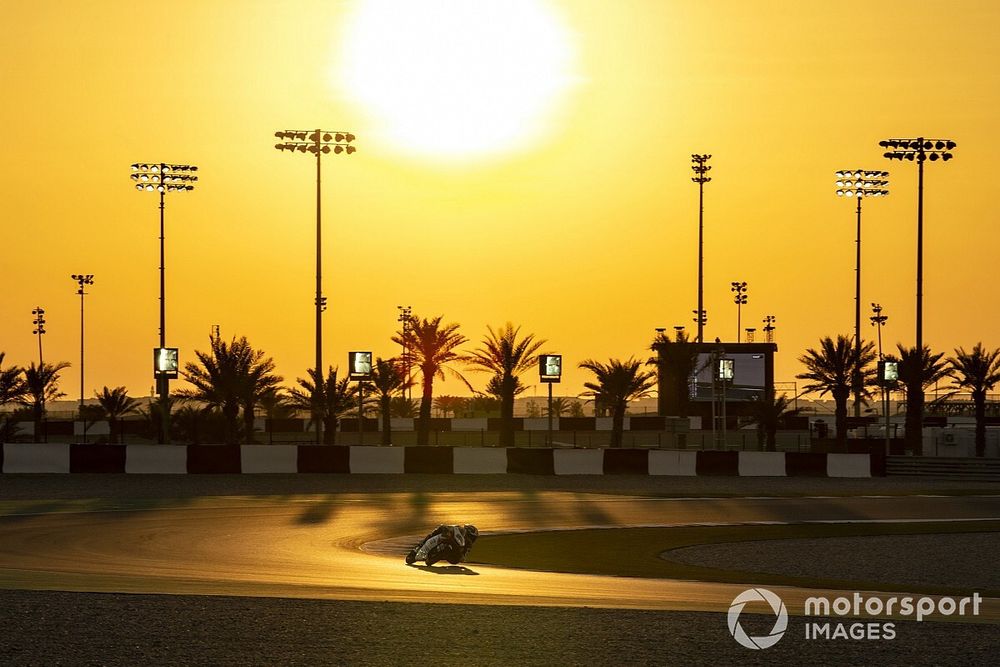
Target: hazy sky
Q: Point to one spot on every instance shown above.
(523, 161)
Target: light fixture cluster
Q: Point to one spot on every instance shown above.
(315, 142)
(83, 279)
(918, 149)
(161, 177)
(862, 183)
(700, 167)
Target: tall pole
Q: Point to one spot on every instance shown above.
(701, 168)
(164, 382)
(319, 283)
(319, 142)
(857, 316)
(920, 255)
(550, 414)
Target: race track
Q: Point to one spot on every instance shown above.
(349, 546)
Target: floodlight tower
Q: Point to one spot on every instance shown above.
(39, 330)
(319, 143)
(858, 184)
(769, 328)
(919, 150)
(82, 280)
(740, 299)
(163, 177)
(405, 317)
(701, 168)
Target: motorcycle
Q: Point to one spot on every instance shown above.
(447, 542)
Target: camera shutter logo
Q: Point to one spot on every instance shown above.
(757, 595)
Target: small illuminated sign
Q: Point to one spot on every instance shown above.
(550, 367)
(165, 362)
(724, 369)
(359, 365)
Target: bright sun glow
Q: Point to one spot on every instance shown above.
(457, 79)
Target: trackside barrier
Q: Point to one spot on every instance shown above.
(252, 459)
(480, 461)
(578, 462)
(761, 464)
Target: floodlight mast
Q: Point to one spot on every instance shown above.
(82, 279)
(163, 177)
(701, 168)
(858, 184)
(318, 142)
(919, 150)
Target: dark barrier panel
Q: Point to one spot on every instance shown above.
(718, 463)
(57, 428)
(878, 464)
(936, 421)
(290, 425)
(97, 458)
(530, 461)
(647, 423)
(493, 423)
(626, 462)
(432, 460)
(350, 425)
(324, 459)
(213, 459)
(805, 464)
(437, 424)
(576, 424)
(1, 457)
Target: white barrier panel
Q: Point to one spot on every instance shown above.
(467, 424)
(479, 460)
(377, 459)
(156, 459)
(401, 423)
(36, 457)
(269, 458)
(762, 464)
(578, 461)
(848, 465)
(665, 462)
(539, 424)
(93, 428)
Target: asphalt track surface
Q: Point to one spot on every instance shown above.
(349, 546)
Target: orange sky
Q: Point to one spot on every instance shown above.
(586, 234)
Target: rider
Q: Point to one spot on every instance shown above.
(448, 542)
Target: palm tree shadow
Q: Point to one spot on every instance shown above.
(446, 569)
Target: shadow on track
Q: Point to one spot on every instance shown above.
(446, 569)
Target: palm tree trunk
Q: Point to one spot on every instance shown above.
(330, 430)
(979, 398)
(424, 424)
(914, 419)
(617, 425)
(248, 423)
(232, 415)
(385, 402)
(840, 419)
(507, 413)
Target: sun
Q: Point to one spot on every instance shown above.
(457, 80)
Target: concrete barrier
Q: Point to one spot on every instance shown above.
(718, 463)
(479, 461)
(376, 460)
(848, 465)
(626, 461)
(428, 460)
(97, 458)
(539, 424)
(578, 462)
(805, 464)
(324, 459)
(38, 457)
(761, 464)
(92, 428)
(401, 423)
(679, 463)
(213, 459)
(269, 458)
(156, 459)
(530, 461)
(469, 424)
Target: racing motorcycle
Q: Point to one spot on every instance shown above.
(447, 542)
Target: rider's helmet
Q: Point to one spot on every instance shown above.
(471, 532)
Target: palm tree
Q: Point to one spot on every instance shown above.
(433, 347)
(575, 409)
(767, 411)
(41, 386)
(917, 371)
(328, 399)
(676, 361)
(617, 383)
(225, 380)
(403, 407)
(832, 369)
(978, 371)
(115, 403)
(560, 405)
(12, 386)
(258, 381)
(448, 405)
(506, 356)
(388, 379)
